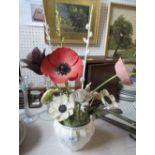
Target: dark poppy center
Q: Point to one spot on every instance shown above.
(63, 68)
(62, 108)
(107, 99)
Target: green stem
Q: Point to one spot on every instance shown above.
(105, 82)
(62, 40)
(92, 101)
(58, 87)
(110, 79)
(67, 87)
(78, 112)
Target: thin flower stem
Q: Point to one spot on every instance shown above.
(58, 29)
(87, 47)
(67, 87)
(79, 112)
(58, 88)
(110, 79)
(105, 82)
(92, 101)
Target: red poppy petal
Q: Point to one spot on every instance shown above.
(73, 78)
(76, 70)
(56, 78)
(45, 66)
(49, 70)
(62, 55)
(66, 55)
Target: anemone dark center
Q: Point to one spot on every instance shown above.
(62, 108)
(107, 99)
(63, 68)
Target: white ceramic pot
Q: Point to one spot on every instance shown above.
(74, 138)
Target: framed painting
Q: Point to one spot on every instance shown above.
(74, 17)
(37, 13)
(121, 31)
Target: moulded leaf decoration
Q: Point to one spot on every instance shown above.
(82, 96)
(108, 100)
(34, 60)
(36, 55)
(87, 88)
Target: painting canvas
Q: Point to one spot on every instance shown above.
(121, 31)
(74, 17)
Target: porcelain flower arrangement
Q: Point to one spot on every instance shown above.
(72, 109)
(69, 106)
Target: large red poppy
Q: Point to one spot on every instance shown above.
(61, 65)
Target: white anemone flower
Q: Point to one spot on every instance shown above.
(61, 107)
(108, 100)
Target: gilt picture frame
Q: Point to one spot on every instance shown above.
(120, 37)
(74, 17)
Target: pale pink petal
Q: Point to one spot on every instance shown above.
(122, 72)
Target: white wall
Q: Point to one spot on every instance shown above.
(32, 35)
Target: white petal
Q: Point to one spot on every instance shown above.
(71, 105)
(105, 92)
(64, 99)
(115, 104)
(50, 110)
(57, 100)
(55, 114)
(102, 99)
(70, 112)
(54, 105)
(87, 88)
(63, 116)
(72, 98)
(112, 98)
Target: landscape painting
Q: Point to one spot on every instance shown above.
(70, 17)
(73, 17)
(121, 34)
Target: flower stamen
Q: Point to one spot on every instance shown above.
(63, 68)
(62, 108)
